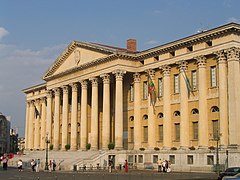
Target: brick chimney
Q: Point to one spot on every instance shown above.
(131, 45)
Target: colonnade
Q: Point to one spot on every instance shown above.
(228, 75)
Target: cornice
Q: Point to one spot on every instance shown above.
(191, 40)
(231, 28)
(35, 88)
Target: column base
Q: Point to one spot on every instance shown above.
(184, 148)
(118, 148)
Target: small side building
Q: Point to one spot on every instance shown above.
(4, 134)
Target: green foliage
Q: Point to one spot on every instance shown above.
(156, 148)
(211, 148)
(67, 147)
(88, 146)
(142, 149)
(51, 147)
(111, 146)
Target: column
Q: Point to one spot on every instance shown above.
(223, 97)
(37, 119)
(43, 124)
(56, 119)
(106, 111)
(74, 117)
(83, 126)
(202, 103)
(30, 128)
(137, 111)
(233, 95)
(151, 117)
(27, 124)
(49, 116)
(167, 119)
(94, 114)
(184, 124)
(119, 109)
(64, 117)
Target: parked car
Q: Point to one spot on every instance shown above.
(232, 171)
(236, 177)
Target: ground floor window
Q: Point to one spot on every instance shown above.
(172, 159)
(155, 158)
(210, 160)
(190, 159)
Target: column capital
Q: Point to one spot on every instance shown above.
(119, 74)
(232, 54)
(74, 87)
(37, 101)
(84, 83)
(201, 60)
(56, 91)
(151, 73)
(43, 99)
(94, 81)
(106, 78)
(65, 89)
(221, 57)
(137, 77)
(166, 69)
(182, 65)
(49, 94)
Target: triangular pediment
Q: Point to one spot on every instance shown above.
(78, 54)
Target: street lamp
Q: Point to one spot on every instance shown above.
(47, 142)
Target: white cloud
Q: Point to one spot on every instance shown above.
(3, 32)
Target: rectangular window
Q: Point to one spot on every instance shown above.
(145, 90)
(213, 76)
(194, 80)
(210, 160)
(176, 83)
(131, 93)
(177, 131)
(160, 87)
(145, 136)
(195, 130)
(155, 158)
(215, 129)
(160, 127)
(190, 159)
(140, 158)
(172, 159)
(131, 134)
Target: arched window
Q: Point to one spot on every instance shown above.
(145, 117)
(131, 118)
(195, 111)
(176, 113)
(214, 109)
(160, 115)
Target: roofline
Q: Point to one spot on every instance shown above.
(34, 88)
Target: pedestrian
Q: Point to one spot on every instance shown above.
(126, 166)
(164, 166)
(110, 166)
(54, 165)
(159, 165)
(33, 164)
(5, 161)
(37, 165)
(19, 165)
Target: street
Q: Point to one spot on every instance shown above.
(13, 174)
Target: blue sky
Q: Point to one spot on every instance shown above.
(34, 32)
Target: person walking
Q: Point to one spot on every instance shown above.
(19, 165)
(5, 161)
(159, 165)
(126, 166)
(37, 165)
(33, 164)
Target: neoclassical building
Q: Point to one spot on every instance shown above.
(98, 94)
